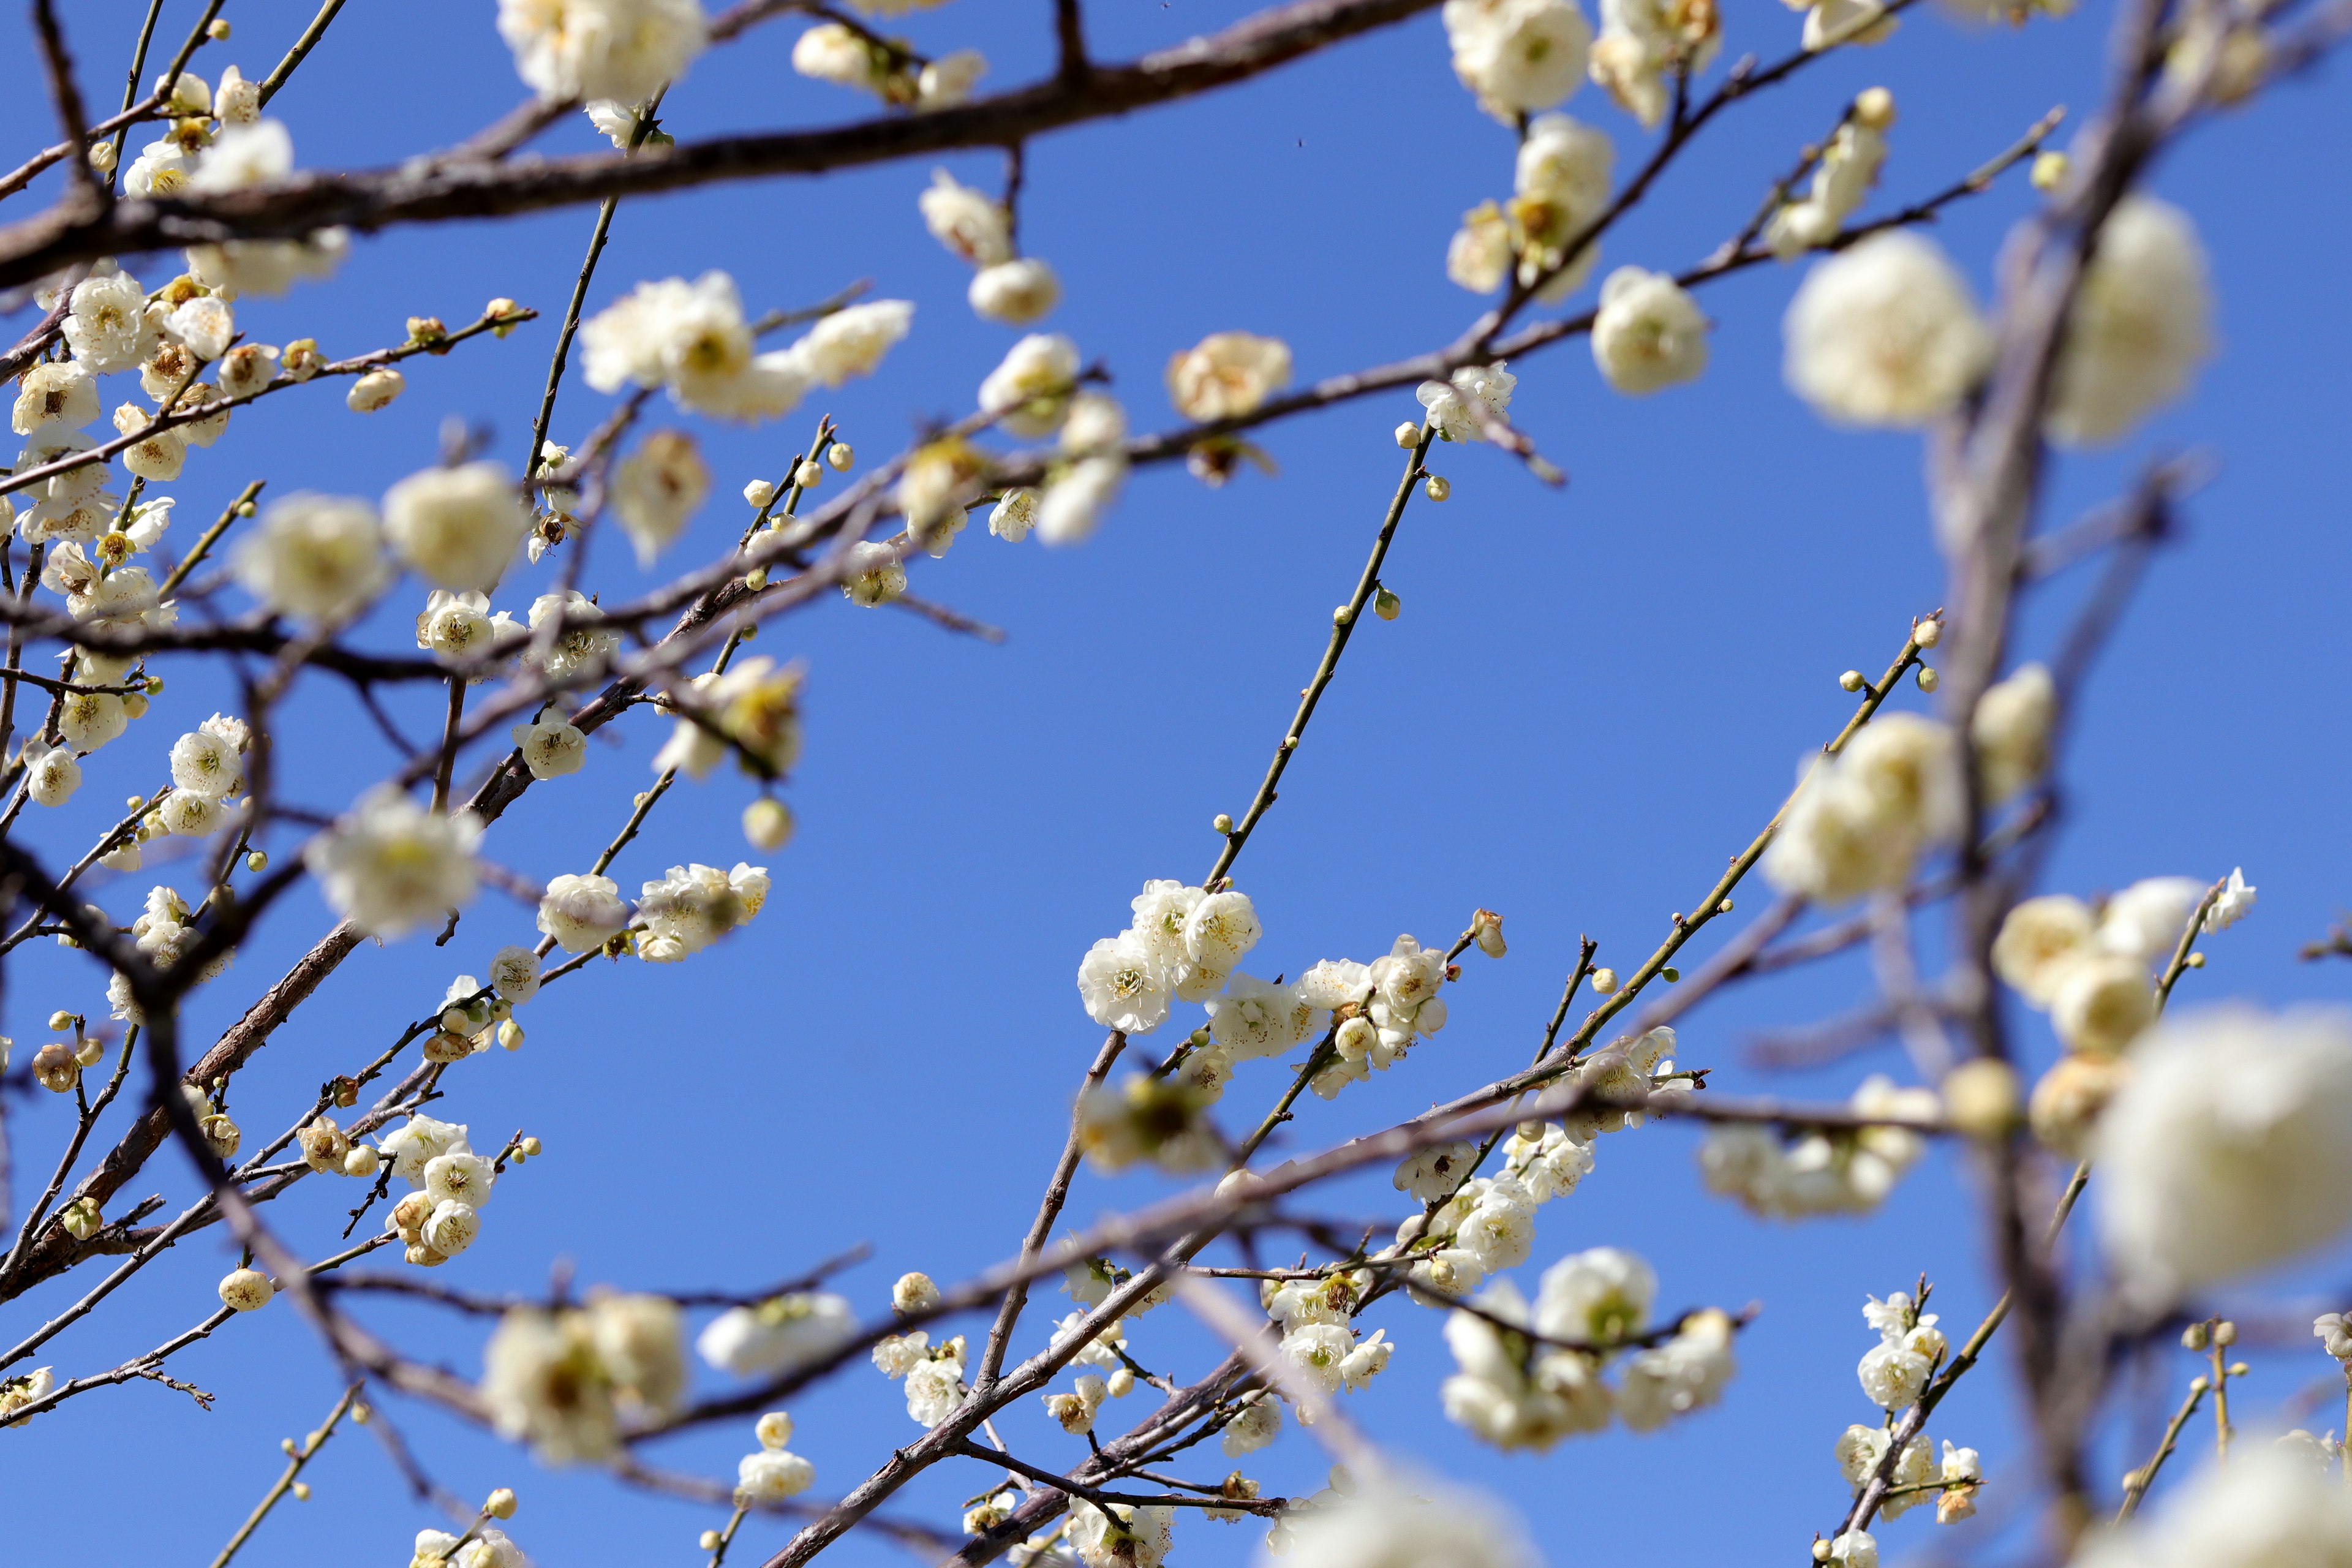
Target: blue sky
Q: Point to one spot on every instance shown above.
(1593, 697)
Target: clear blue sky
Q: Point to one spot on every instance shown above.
(1593, 696)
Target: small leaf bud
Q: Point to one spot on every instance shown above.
(1670, 974)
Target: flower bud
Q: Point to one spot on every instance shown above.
(914, 1293)
(1486, 930)
(425, 1256)
(301, 1491)
(838, 456)
(324, 1146)
(1221, 823)
(1928, 680)
(449, 1044)
(1387, 605)
(1341, 615)
(1980, 1098)
(1874, 108)
(411, 1212)
(54, 1068)
(222, 1136)
(101, 157)
(2049, 171)
(759, 493)
(427, 330)
(530, 1146)
(509, 1034)
(808, 476)
(90, 1052)
(1927, 634)
(1408, 435)
(1120, 1383)
(501, 1504)
(500, 314)
(1437, 489)
(61, 1021)
(1604, 981)
(768, 825)
(774, 1430)
(81, 1219)
(1850, 680)
(256, 862)
(245, 1291)
(2225, 1332)
(708, 1540)
(217, 29)
(362, 1160)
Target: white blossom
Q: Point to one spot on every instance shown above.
(657, 488)
(1122, 985)
(1649, 332)
(1517, 54)
(316, 557)
(1688, 1372)
(1029, 393)
(1862, 819)
(107, 326)
(1450, 402)
(551, 745)
(2237, 898)
(1639, 40)
(1885, 334)
(2039, 940)
(1015, 292)
(459, 527)
(390, 865)
(624, 50)
(1227, 374)
(970, 224)
(776, 1334)
(2264, 1507)
(582, 912)
(2011, 730)
(2227, 1148)
(852, 340)
(2140, 325)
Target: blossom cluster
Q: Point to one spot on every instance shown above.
(1895, 1373)
(1821, 1170)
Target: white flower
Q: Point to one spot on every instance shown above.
(237, 101)
(1408, 1525)
(1318, 1351)
(934, 1391)
(969, 224)
(390, 865)
(1451, 403)
(2265, 1507)
(1687, 1372)
(1030, 392)
(1520, 1396)
(1649, 332)
(542, 1380)
(205, 324)
(551, 745)
(375, 390)
(1073, 505)
(771, 1475)
(53, 776)
(2228, 1146)
(241, 157)
(1122, 986)
(1848, 168)
(582, 646)
(693, 339)
(1367, 1361)
(1957, 1502)
(160, 169)
(657, 488)
(872, 574)
(2102, 1004)
(1893, 1375)
(316, 557)
(1561, 185)
(1517, 54)
(1855, 1548)
(832, 52)
(458, 527)
(2237, 898)
(1862, 819)
(1885, 334)
(1479, 254)
(2335, 1337)
(451, 1227)
(948, 80)
(785, 1331)
(1014, 515)
(1599, 1295)
(624, 50)
(1220, 929)
(190, 815)
(1500, 1230)
(852, 342)
(1015, 292)
(1253, 1426)
(1226, 376)
(157, 455)
(271, 266)
(459, 1176)
(2039, 940)
(514, 974)
(1549, 1166)
(1138, 1537)
(455, 623)
(418, 1142)
(2140, 325)
(107, 326)
(1640, 40)
(2011, 731)
(1254, 1018)
(60, 391)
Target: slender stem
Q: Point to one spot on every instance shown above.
(448, 743)
(302, 47)
(2222, 1430)
(297, 1457)
(1343, 626)
(130, 82)
(2135, 1484)
(210, 537)
(726, 1536)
